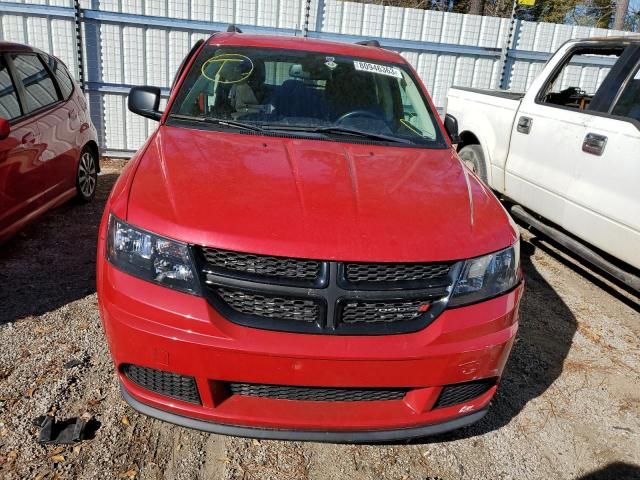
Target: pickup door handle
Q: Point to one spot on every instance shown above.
(594, 143)
(524, 125)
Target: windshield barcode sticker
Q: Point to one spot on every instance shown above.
(375, 68)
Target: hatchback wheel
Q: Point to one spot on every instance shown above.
(87, 177)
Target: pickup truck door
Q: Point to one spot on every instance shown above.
(542, 161)
(603, 201)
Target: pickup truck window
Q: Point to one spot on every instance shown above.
(275, 89)
(577, 80)
(628, 104)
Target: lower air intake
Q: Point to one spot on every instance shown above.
(168, 384)
(463, 392)
(315, 394)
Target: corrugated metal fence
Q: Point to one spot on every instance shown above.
(136, 42)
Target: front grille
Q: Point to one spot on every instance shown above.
(324, 297)
(270, 306)
(168, 384)
(315, 394)
(261, 265)
(390, 311)
(463, 392)
(395, 272)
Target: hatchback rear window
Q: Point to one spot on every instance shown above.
(38, 84)
(9, 106)
(290, 89)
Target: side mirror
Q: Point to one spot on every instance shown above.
(145, 101)
(451, 126)
(5, 128)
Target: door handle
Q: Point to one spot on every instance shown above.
(594, 144)
(524, 125)
(29, 138)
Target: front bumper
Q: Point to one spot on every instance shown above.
(155, 327)
(364, 436)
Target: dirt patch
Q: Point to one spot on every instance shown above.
(568, 406)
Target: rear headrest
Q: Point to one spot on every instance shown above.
(296, 71)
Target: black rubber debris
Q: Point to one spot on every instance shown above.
(68, 431)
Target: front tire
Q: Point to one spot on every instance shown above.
(87, 175)
(472, 157)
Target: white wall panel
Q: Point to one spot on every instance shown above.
(268, 13)
(39, 33)
(63, 42)
(115, 127)
(392, 25)
(290, 14)
(372, 21)
(156, 58)
(179, 8)
(223, 11)
(451, 28)
(133, 6)
(111, 42)
(13, 28)
(471, 27)
(352, 18)
(133, 38)
(412, 26)
(137, 130)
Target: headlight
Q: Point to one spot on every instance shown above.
(150, 257)
(487, 276)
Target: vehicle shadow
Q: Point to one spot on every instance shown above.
(614, 471)
(584, 269)
(545, 335)
(52, 261)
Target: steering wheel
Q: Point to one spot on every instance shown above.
(357, 113)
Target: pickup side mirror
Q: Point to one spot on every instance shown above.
(451, 126)
(145, 101)
(5, 128)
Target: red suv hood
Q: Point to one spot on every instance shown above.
(314, 199)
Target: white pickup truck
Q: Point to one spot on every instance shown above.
(567, 152)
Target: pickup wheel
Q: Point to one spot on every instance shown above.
(473, 158)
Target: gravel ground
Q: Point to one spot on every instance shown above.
(568, 408)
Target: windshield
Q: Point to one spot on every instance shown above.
(273, 89)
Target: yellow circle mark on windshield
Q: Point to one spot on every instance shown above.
(231, 68)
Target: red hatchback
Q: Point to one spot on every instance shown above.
(48, 145)
(297, 251)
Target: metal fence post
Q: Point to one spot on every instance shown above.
(319, 15)
(307, 13)
(509, 44)
(79, 56)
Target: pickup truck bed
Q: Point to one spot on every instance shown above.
(493, 93)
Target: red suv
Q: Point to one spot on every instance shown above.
(48, 145)
(297, 251)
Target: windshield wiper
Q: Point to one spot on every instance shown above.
(341, 131)
(360, 133)
(219, 121)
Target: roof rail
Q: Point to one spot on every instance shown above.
(232, 28)
(369, 43)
